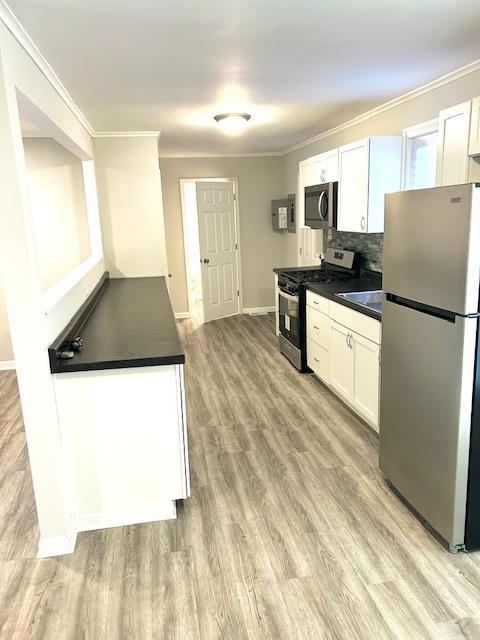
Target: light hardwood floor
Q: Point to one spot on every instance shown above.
(290, 532)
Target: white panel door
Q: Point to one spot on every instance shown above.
(366, 377)
(453, 142)
(353, 162)
(218, 249)
(341, 360)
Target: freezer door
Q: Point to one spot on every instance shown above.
(425, 413)
(431, 247)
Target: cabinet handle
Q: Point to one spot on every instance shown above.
(316, 359)
(315, 327)
(362, 223)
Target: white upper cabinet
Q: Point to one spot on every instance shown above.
(453, 144)
(325, 167)
(368, 169)
(474, 146)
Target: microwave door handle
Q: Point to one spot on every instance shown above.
(322, 195)
(288, 296)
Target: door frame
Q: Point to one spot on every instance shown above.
(236, 208)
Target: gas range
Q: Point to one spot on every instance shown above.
(338, 266)
(291, 280)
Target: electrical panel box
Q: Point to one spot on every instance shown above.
(280, 214)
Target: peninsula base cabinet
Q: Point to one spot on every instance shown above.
(355, 371)
(125, 444)
(343, 351)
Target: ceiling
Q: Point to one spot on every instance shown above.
(299, 67)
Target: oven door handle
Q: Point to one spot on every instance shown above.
(288, 296)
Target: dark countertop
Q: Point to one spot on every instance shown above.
(369, 281)
(131, 325)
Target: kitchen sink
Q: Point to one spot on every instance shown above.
(369, 299)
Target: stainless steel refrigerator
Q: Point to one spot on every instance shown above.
(430, 380)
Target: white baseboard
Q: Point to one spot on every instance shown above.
(252, 310)
(56, 546)
(6, 365)
(167, 510)
(181, 315)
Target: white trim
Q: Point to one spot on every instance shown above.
(7, 365)
(182, 315)
(166, 510)
(126, 134)
(56, 546)
(266, 154)
(24, 40)
(59, 290)
(254, 310)
(408, 134)
(237, 230)
(395, 102)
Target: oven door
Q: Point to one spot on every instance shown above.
(321, 206)
(288, 317)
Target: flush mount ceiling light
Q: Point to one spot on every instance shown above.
(232, 123)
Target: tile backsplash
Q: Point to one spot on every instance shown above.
(370, 245)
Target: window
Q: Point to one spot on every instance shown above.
(420, 155)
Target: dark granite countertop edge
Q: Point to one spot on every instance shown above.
(324, 291)
(83, 316)
(120, 364)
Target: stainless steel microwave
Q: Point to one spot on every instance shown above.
(321, 206)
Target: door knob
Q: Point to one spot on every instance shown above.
(206, 260)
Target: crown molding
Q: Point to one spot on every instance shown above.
(126, 134)
(21, 36)
(266, 154)
(395, 102)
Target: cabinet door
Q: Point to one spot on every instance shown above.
(317, 174)
(353, 160)
(318, 359)
(474, 146)
(341, 360)
(453, 142)
(331, 165)
(307, 173)
(366, 378)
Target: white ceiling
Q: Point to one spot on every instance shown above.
(298, 66)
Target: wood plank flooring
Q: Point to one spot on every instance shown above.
(290, 533)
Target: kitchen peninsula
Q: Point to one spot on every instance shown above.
(121, 405)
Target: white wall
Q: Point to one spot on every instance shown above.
(260, 179)
(6, 352)
(57, 199)
(130, 198)
(23, 289)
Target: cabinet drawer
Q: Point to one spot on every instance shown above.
(318, 328)
(356, 321)
(317, 302)
(318, 359)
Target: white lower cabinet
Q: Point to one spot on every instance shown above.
(342, 362)
(355, 370)
(318, 359)
(343, 350)
(366, 374)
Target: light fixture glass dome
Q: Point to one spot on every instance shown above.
(232, 123)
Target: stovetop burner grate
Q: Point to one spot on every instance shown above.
(321, 275)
